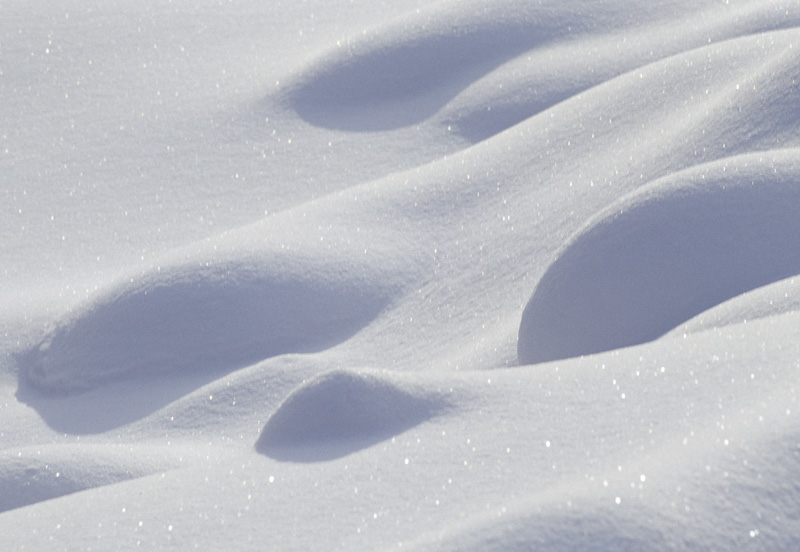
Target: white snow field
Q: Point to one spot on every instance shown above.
(359, 275)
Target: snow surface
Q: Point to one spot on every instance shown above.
(453, 276)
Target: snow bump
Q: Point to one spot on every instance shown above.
(401, 73)
(192, 320)
(342, 411)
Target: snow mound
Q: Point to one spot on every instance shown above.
(402, 72)
(341, 411)
(29, 475)
(664, 254)
(191, 319)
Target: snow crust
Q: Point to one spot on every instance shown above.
(454, 275)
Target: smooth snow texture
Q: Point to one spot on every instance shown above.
(434, 276)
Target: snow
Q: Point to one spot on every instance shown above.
(342, 408)
(200, 317)
(676, 248)
(387, 276)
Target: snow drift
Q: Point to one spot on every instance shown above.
(37, 474)
(670, 251)
(202, 318)
(342, 411)
(274, 275)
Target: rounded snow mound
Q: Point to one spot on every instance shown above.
(341, 411)
(400, 73)
(664, 254)
(215, 318)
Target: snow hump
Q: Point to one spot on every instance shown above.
(188, 320)
(401, 72)
(339, 412)
(663, 255)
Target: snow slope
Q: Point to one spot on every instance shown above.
(413, 275)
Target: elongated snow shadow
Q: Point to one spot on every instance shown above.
(341, 412)
(667, 253)
(147, 342)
